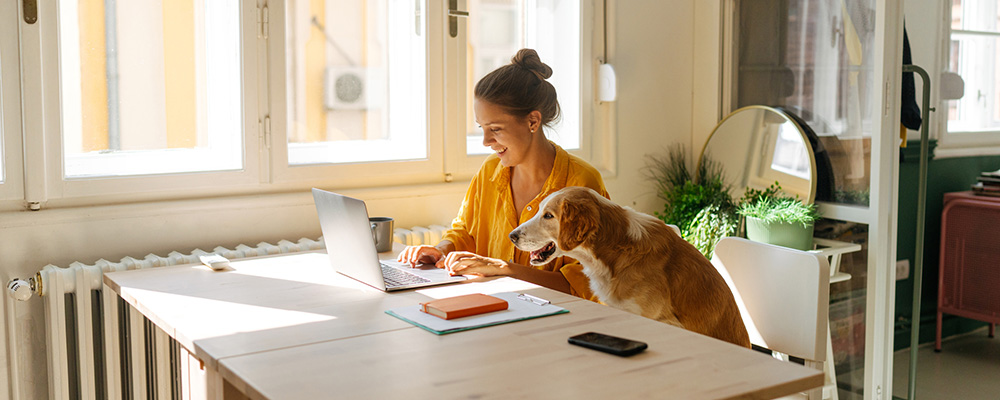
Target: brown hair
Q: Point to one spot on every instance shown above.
(521, 87)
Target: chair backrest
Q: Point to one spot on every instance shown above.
(783, 295)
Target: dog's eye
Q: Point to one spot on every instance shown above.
(548, 215)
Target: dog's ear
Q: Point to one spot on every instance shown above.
(577, 221)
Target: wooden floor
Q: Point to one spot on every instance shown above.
(968, 367)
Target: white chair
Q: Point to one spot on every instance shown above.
(784, 298)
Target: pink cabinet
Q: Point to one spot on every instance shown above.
(969, 275)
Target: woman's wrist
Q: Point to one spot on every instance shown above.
(445, 247)
(509, 268)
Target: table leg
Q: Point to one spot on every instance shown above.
(213, 385)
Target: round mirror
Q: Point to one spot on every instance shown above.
(757, 146)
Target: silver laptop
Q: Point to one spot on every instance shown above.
(351, 247)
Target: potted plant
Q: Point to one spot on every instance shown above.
(700, 205)
(777, 219)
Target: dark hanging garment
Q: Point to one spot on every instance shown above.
(909, 110)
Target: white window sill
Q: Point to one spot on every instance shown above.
(956, 152)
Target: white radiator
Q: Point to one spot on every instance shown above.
(100, 348)
(417, 235)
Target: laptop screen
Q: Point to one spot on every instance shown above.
(348, 237)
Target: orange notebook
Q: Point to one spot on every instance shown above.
(463, 306)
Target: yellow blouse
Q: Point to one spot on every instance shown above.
(487, 214)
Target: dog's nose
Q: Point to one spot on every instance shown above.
(513, 236)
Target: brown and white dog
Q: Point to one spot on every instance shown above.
(634, 261)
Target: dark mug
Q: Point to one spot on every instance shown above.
(381, 233)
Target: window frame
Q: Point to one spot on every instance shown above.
(367, 174)
(959, 143)
(264, 116)
(46, 181)
(11, 178)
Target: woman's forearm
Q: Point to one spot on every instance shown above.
(550, 279)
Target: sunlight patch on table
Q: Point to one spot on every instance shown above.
(486, 287)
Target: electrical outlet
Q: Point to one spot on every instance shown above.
(902, 269)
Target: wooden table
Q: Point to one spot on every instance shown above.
(288, 327)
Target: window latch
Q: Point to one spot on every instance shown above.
(30, 11)
(453, 14)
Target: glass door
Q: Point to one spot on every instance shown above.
(836, 65)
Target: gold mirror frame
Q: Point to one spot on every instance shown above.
(745, 143)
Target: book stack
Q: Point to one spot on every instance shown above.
(988, 184)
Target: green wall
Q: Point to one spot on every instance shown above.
(943, 176)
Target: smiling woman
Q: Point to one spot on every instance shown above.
(513, 105)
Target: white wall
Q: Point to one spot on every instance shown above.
(653, 50)
(924, 23)
(652, 54)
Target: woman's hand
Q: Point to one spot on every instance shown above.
(422, 254)
(466, 263)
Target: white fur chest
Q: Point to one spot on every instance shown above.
(600, 284)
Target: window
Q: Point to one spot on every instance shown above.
(150, 88)
(228, 97)
(364, 88)
(357, 75)
(500, 28)
(974, 54)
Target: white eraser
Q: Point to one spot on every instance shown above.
(214, 261)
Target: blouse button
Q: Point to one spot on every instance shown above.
(529, 208)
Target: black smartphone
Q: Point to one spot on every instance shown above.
(608, 344)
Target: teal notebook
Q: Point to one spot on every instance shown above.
(519, 308)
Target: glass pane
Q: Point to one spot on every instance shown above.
(815, 59)
(150, 88)
(499, 28)
(848, 298)
(975, 15)
(975, 58)
(343, 56)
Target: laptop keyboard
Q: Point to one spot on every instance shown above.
(395, 277)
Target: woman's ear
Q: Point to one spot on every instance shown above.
(534, 121)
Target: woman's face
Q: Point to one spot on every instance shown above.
(509, 136)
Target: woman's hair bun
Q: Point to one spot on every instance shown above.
(529, 60)
(521, 87)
